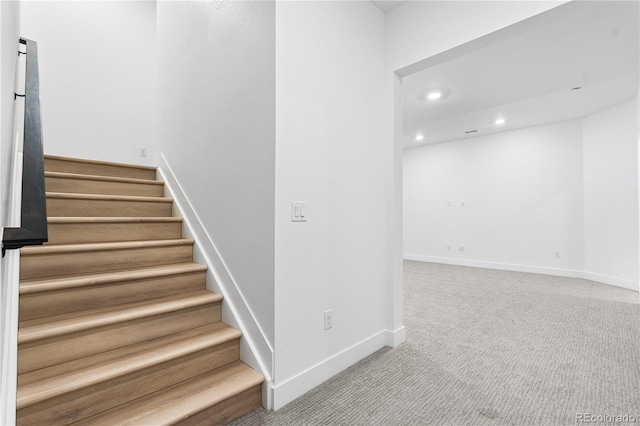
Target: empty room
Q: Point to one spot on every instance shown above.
(520, 189)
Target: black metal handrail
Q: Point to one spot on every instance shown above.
(33, 216)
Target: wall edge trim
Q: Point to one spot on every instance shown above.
(260, 354)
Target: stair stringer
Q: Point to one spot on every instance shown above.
(255, 349)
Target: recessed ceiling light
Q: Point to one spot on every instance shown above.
(432, 96)
(500, 121)
(419, 137)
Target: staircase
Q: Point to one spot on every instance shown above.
(116, 326)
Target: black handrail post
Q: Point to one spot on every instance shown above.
(33, 216)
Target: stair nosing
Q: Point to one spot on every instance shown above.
(118, 245)
(114, 315)
(39, 285)
(106, 197)
(125, 365)
(218, 388)
(221, 396)
(101, 178)
(100, 162)
(112, 219)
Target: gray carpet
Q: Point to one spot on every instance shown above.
(488, 347)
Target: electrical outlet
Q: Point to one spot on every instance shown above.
(461, 248)
(558, 255)
(448, 247)
(328, 319)
(143, 151)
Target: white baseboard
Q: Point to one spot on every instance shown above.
(571, 273)
(255, 349)
(605, 279)
(394, 338)
(292, 388)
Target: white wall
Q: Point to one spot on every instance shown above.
(418, 30)
(611, 195)
(98, 76)
(216, 127)
(9, 35)
(522, 193)
(569, 187)
(330, 153)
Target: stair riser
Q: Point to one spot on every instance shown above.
(53, 265)
(66, 233)
(58, 165)
(44, 353)
(63, 207)
(78, 405)
(49, 303)
(82, 186)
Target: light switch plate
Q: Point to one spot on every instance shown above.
(298, 211)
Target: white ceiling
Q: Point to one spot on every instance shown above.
(528, 78)
(386, 6)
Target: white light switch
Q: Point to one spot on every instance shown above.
(298, 211)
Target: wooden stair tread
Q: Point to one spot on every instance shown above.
(116, 324)
(107, 197)
(111, 219)
(48, 327)
(70, 248)
(115, 354)
(40, 285)
(52, 381)
(80, 176)
(97, 162)
(183, 400)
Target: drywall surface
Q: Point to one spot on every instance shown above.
(567, 189)
(611, 195)
(420, 29)
(216, 127)
(9, 36)
(330, 154)
(98, 76)
(510, 200)
(9, 265)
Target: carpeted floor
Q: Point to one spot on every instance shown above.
(488, 347)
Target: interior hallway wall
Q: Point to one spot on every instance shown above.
(610, 156)
(522, 195)
(569, 188)
(9, 37)
(216, 127)
(330, 153)
(98, 76)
